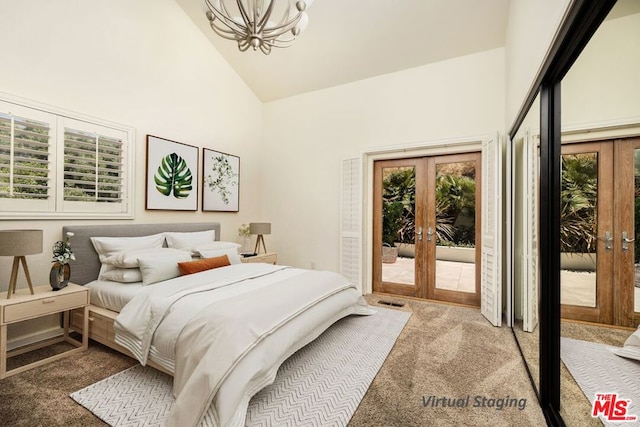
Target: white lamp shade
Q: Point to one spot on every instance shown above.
(260, 227)
(20, 242)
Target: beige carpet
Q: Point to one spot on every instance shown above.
(575, 408)
(444, 351)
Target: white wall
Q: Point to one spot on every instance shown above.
(531, 29)
(307, 137)
(603, 85)
(140, 63)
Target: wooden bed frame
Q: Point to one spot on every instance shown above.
(87, 265)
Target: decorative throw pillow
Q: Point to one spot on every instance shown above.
(123, 275)
(204, 264)
(157, 269)
(234, 257)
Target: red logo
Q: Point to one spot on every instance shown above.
(612, 408)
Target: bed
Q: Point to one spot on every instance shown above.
(222, 333)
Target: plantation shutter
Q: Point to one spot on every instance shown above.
(350, 222)
(56, 163)
(491, 266)
(530, 236)
(509, 230)
(93, 173)
(25, 159)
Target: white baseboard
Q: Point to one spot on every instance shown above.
(34, 338)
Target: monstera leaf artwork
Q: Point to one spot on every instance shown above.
(173, 177)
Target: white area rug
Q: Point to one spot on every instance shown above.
(320, 385)
(597, 370)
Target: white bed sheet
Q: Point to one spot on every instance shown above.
(295, 311)
(112, 295)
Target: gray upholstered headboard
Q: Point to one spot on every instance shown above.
(87, 265)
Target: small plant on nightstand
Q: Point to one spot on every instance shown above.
(245, 237)
(61, 270)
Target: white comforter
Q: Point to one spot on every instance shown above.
(231, 329)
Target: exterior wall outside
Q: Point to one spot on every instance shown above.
(142, 64)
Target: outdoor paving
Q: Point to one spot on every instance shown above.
(577, 287)
(455, 276)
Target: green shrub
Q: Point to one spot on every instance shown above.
(578, 205)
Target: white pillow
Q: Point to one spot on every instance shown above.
(123, 275)
(631, 349)
(106, 246)
(232, 253)
(214, 246)
(634, 339)
(189, 241)
(129, 259)
(159, 268)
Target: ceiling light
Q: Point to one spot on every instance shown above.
(260, 24)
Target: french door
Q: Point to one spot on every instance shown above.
(600, 210)
(426, 227)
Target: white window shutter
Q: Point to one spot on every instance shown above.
(530, 237)
(56, 163)
(93, 172)
(26, 177)
(350, 222)
(491, 265)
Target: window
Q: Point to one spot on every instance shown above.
(56, 164)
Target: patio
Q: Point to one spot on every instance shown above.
(578, 287)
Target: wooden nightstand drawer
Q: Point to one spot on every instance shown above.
(99, 326)
(40, 307)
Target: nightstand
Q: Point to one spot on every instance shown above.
(268, 258)
(44, 301)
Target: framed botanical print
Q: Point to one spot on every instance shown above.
(172, 175)
(220, 181)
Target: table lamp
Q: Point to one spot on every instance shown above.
(18, 243)
(260, 228)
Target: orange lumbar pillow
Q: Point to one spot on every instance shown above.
(197, 266)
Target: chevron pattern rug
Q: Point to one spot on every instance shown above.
(320, 385)
(597, 369)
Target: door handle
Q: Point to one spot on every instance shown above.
(626, 241)
(429, 234)
(608, 240)
(419, 234)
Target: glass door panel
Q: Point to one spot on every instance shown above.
(398, 224)
(453, 227)
(398, 256)
(586, 232)
(455, 231)
(578, 229)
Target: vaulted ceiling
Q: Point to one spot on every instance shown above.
(349, 40)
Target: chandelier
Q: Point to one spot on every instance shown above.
(260, 24)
